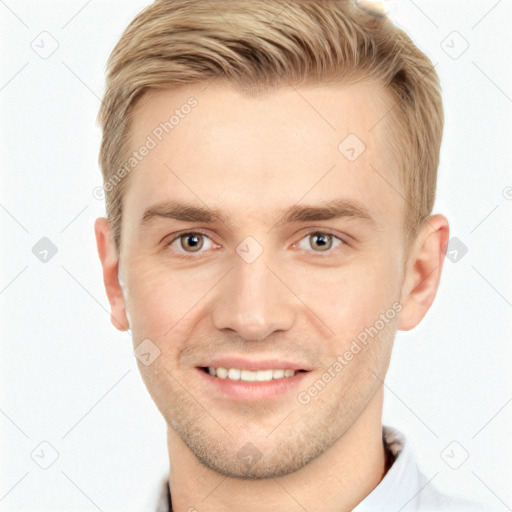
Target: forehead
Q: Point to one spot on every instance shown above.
(210, 145)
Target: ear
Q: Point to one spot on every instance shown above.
(423, 271)
(110, 263)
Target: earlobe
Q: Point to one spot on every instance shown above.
(110, 262)
(423, 272)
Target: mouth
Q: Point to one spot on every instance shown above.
(250, 386)
(239, 374)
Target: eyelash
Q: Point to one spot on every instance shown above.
(322, 254)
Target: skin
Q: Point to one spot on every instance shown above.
(249, 158)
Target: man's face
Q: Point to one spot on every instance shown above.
(260, 289)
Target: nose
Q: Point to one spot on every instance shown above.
(253, 302)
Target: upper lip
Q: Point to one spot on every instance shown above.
(253, 364)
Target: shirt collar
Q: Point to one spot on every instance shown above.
(400, 483)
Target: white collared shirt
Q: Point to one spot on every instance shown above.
(403, 489)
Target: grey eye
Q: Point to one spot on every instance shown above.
(321, 241)
(192, 242)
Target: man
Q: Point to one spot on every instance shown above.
(270, 172)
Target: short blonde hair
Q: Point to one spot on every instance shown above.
(264, 44)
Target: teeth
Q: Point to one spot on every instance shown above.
(263, 375)
(249, 375)
(234, 374)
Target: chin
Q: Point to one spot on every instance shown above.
(262, 459)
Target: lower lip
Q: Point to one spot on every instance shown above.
(253, 391)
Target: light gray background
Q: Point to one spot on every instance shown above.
(68, 378)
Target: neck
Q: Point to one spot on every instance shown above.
(336, 481)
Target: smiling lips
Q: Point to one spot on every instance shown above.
(250, 375)
(251, 380)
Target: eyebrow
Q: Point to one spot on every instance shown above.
(335, 209)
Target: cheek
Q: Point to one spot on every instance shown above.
(162, 302)
(350, 297)
(155, 292)
(151, 300)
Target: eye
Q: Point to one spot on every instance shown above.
(320, 241)
(191, 242)
(196, 242)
